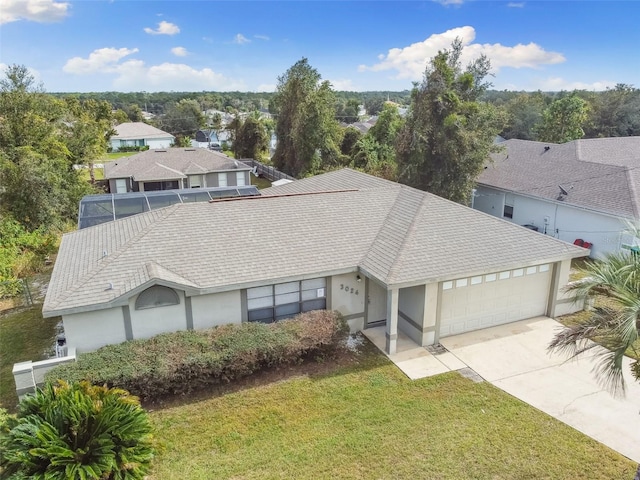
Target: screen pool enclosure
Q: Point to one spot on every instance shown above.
(97, 209)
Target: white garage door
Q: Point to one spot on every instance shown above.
(487, 300)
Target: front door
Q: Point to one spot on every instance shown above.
(377, 303)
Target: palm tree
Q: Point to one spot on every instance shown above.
(614, 325)
(77, 431)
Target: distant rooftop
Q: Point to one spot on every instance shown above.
(137, 130)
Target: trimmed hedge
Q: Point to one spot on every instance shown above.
(184, 361)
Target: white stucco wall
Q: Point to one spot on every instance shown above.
(149, 322)
(158, 143)
(411, 304)
(347, 297)
(561, 221)
(216, 309)
(89, 331)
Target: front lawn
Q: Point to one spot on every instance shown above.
(364, 420)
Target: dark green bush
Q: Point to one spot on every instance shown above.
(133, 148)
(184, 361)
(77, 431)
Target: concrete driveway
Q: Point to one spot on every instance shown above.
(513, 357)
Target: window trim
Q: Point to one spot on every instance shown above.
(302, 305)
(174, 300)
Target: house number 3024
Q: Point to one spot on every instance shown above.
(348, 289)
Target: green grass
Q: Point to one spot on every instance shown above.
(109, 157)
(368, 420)
(260, 182)
(24, 335)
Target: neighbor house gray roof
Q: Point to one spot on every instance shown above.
(393, 233)
(170, 163)
(138, 130)
(601, 174)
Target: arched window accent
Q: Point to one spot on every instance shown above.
(157, 296)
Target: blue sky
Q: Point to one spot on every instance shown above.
(95, 45)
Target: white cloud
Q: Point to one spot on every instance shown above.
(103, 60)
(446, 3)
(410, 62)
(262, 37)
(515, 4)
(240, 39)
(164, 28)
(343, 85)
(135, 75)
(266, 87)
(555, 84)
(179, 51)
(41, 11)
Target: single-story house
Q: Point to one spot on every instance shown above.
(379, 252)
(175, 168)
(580, 191)
(139, 134)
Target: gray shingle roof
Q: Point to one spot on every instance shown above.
(138, 130)
(600, 174)
(170, 163)
(394, 233)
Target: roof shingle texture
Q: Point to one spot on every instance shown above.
(394, 233)
(138, 130)
(170, 163)
(600, 174)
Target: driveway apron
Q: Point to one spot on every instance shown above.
(514, 358)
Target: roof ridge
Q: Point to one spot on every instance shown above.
(170, 169)
(403, 191)
(155, 270)
(635, 195)
(162, 213)
(406, 235)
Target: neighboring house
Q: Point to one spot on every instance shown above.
(577, 191)
(378, 252)
(139, 134)
(175, 168)
(207, 139)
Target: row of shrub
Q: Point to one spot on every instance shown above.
(184, 361)
(130, 148)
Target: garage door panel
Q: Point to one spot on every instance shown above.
(521, 295)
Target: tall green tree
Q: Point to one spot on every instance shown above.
(449, 133)
(615, 113)
(77, 431)
(88, 125)
(563, 120)
(182, 119)
(253, 139)
(307, 132)
(38, 185)
(525, 113)
(616, 324)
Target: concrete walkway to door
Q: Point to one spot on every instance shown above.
(514, 358)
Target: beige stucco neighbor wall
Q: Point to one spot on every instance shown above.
(149, 322)
(89, 331)
(347, 297)
(565, 304)
(216, 309)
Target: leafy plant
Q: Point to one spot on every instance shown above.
(180, 362)
(77, 431)
(617, 327)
